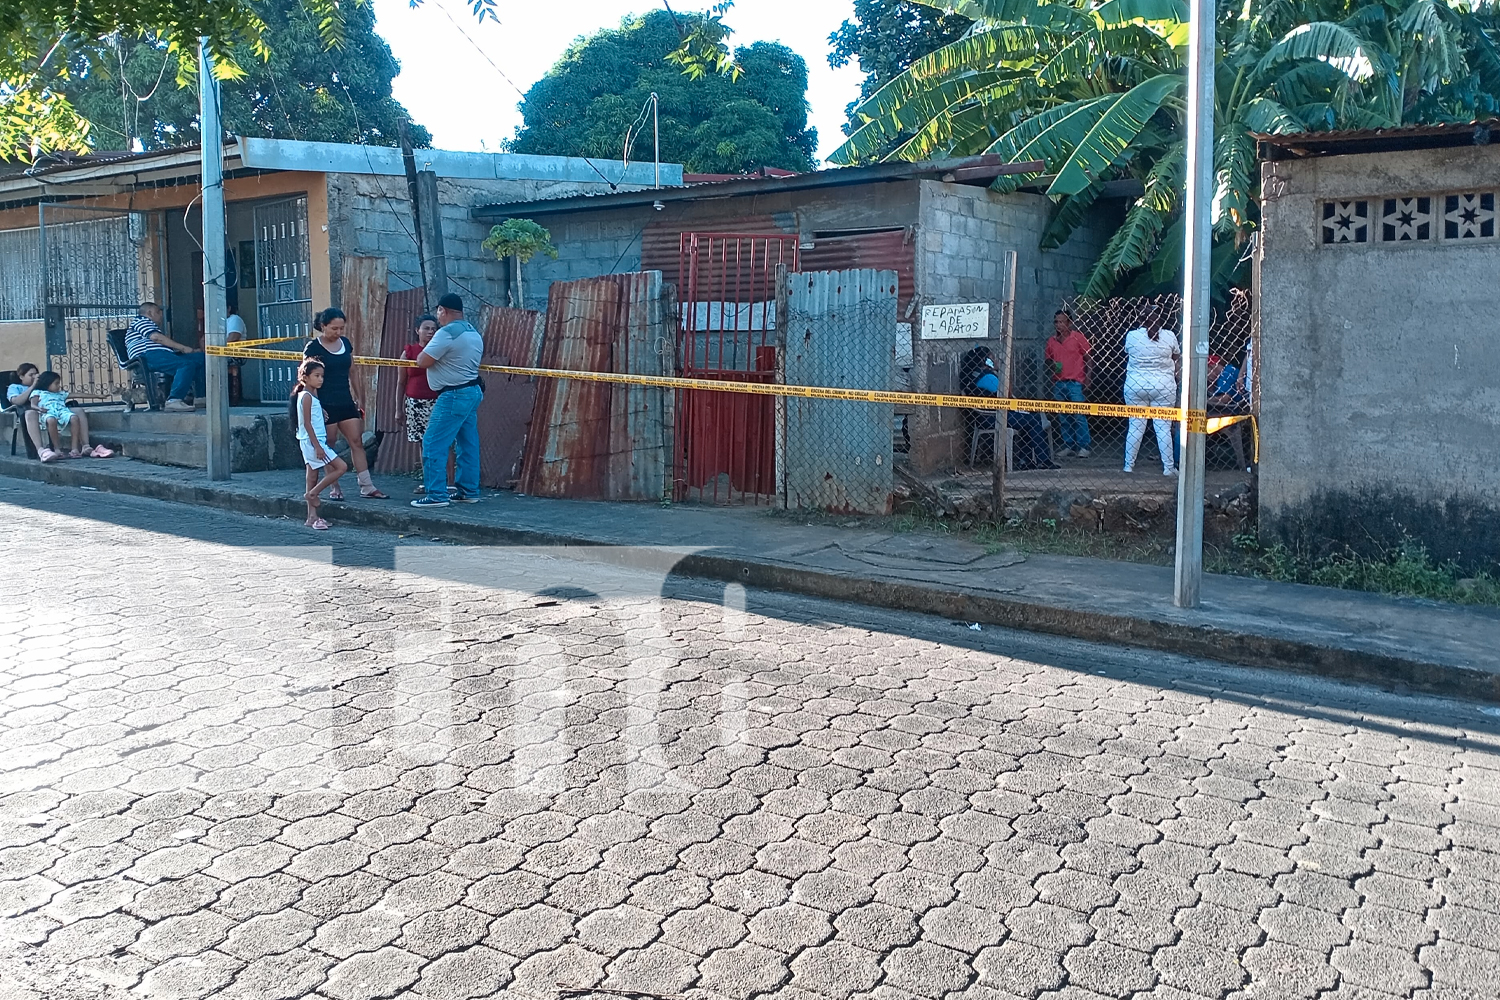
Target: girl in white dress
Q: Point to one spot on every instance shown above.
(323, 467)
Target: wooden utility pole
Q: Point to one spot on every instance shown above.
(1002, 417)
(409, 161)
(430, 237)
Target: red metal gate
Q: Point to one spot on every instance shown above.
(726, 442)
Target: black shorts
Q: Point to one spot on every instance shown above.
(339, 410)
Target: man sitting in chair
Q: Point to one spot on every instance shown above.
(160, 353)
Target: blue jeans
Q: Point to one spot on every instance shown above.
(186, 371)
(1074, 427)
(454, 421)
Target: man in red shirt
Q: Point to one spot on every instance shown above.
(1068, 357)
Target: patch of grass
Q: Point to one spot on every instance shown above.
(1407, 571)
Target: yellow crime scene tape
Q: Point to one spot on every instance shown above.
(1197, 421)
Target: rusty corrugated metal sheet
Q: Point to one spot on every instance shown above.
(592, 440)
(511, 337)
(661, 241)
(893, 250)
(396, 453)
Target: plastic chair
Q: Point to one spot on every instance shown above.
(155, 383)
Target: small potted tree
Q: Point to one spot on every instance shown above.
(519, 240)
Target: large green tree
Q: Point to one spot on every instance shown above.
(1095, 90)
(712, 122)
(886, 36)
(36, 36)
(302, 90)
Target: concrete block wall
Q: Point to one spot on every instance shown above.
(370, 215)
(589, 244)
(1380, 412)
(962, 238)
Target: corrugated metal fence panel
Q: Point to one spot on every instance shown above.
(838, 333)
(592, 440)
(894, 250)
(510, 338)
(396, 453)
(572, 418)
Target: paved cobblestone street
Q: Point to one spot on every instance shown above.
(241, 760)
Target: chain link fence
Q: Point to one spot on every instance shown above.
(1049, 451)
(1067, 469)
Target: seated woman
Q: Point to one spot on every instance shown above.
(19, 395)
(1229, 396)
(1030, 448)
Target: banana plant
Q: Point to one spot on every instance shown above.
(1096, 91)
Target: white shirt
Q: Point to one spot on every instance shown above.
(234, 327)
(319, 429)
(1151, 358)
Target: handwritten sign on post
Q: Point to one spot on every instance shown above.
(959, 321)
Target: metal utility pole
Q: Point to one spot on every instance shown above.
(214, 259)
(1195, 304)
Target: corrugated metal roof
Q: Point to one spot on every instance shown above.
(1437, 135)
(972, 170)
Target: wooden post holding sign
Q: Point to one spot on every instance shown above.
(364, 294)
(1002, 417)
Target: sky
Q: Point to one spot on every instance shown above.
(450, 87)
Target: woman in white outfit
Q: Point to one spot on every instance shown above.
(1154, 360)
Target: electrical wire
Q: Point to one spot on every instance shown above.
(613, 185)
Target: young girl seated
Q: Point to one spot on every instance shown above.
(55, 416)
(323, 467)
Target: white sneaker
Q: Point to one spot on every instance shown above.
(1064, 452)
(1169, 472)
(177, 406)
(1127, 470)
(1082, 453)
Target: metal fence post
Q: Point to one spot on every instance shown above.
(1195, 308)
(1002, 417)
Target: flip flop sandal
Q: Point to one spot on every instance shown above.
(373, 494)
(335, 494)
(319, 525)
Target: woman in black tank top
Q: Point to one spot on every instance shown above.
(344, 414)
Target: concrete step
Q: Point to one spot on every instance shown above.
(176, 422)
(260, 438)
(186, 450)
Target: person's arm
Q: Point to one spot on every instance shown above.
(20, 399)
(305, 403)
(168, 342)
(435, 349)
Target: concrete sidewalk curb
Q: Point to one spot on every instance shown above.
(1201, 641)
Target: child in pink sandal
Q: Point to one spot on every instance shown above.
(56, 417)
(322, 467)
